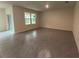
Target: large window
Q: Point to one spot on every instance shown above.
(33, 18)
(30, 18)
(27, 18)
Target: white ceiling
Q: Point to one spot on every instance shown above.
(40, 5)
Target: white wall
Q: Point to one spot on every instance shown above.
(58, 19)
(7, 9)
(3, 21)
(76, 24)
(19, 22)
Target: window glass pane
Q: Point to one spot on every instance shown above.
(27, 18)
(33, 18)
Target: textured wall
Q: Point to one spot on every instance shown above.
(58, 19)
(19, 22)
(76, 24)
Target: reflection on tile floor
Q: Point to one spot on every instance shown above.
(38, 43)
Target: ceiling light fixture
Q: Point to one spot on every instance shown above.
(47, 6)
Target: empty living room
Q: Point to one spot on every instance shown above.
(39, 29)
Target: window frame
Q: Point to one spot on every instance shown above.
(26, 18)
(35, 18)
(31, 23)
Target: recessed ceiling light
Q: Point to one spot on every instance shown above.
(47, 6)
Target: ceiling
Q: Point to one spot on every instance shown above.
(40, 5)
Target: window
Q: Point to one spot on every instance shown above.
(27, 18)
(30, 18)
(33, 18)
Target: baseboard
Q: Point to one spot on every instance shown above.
(56, 29)
(39, 28)
(27, 30)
